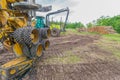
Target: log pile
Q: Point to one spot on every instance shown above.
(99, 29)
(83, 29)
(110, 29)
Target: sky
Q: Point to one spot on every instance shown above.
(85, 11)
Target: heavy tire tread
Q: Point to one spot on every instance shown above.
(26, 51)
(26, 35)
(34, 49)
(43, 33)
(40, 36)
(17, 35)
(57, 34)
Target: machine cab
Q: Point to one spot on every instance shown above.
(39, 22)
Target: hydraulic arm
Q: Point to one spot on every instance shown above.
(57, 12)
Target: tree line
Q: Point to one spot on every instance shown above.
(72, 25)
(102, 21)
(107, 21)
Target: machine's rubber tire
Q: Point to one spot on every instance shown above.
(40, 36)
(36, 50)
(27, 35)
(17, 35)
(45, 44)
(39, 58)
(26, 51)
(24, 48)
(44, 33)
(55, 32)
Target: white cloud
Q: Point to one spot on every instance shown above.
(88, 10)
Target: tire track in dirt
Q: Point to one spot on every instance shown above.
(92, 71)
(96, 70)
(69, 44)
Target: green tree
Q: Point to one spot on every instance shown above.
(103, 21)
(115, 22)
(107, 21)
(89, 25)
(74, 25)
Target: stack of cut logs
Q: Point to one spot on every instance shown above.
(99, 29)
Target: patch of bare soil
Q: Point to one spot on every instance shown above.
(74, 57)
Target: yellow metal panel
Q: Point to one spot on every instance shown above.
(16, 67)
(3, 72)
(13, 71)
(54, 26)
(14, 62)
(13, 1)
(17, 48)
(18, 22)
(25, 63)
(3, 4)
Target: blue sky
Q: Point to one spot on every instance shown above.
(85, 10)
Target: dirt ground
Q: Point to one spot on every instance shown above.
(76, 57)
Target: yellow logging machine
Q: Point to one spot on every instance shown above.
(17, 35)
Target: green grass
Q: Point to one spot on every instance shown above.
(112, 37)
(110, 43)
(64, 60)
(70, 31)
(69, 58)
(111, 49)
(74, 31)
